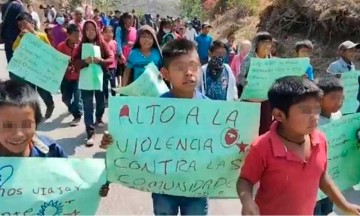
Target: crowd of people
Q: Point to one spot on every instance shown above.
(195, 66)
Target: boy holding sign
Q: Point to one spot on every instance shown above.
(20, 114)
(290, 161)
(182, 70)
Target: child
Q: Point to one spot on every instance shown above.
(330, 103)
(26, 25)
(218, 81)
(245, 47)
(165, 28)
(110, 76)
(347, 51)
(70, 84)
(91, 34)
(303, 50)
(204, 42)
(20, 115)
(274, 48)
(182, 70)
(290, 160)
(145, 51)
(232, 49)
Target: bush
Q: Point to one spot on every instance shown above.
(246, 6)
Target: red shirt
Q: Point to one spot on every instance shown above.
(113, 48)
(288, 185)
(71, 73)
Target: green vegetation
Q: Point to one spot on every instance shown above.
(192, 8)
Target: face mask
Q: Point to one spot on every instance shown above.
(60, 20)
(215, 66)
(166, 30)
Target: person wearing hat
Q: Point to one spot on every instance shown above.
(204, 41)
(347, 51)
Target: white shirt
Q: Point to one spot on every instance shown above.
(191, 34)
(35, 16)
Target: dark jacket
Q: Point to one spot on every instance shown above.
(10, 27)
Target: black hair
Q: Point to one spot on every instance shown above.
(125, 31)
(71, 28)
(18, 94)
(176, 48)
(30, 5)
(262, 36)
(329, 83)
(303, 44)
(24, 16)
(96, 10)
(217, 45)
(290, 90)
(110, 28)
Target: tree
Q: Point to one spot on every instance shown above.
(192, 8)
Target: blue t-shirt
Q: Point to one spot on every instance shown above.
(310, 73)
(197, 95)
(204, 42)
(46, 147)
(137, 61)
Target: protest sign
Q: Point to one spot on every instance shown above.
(351, 90)
(91, 77)
(39, 63)
(50, 186)
(148, 84)
(263, 73)
(343, 151)
(181, 147)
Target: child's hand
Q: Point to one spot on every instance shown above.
(352, 209)
(88, 60)
(104, 190)
(305, 76)
(250, 208)
(97, 60)
(106, 140)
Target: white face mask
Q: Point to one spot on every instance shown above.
(166, 30)
(60, 20)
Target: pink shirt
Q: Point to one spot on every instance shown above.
(288, 185)
(236, 65)
(113, 48)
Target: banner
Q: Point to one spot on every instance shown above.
(343, 151)
(91, 77)
(148, 84)
(39, 63)
(264, 72)
(180, 147)
(351, 90)
(50, 186)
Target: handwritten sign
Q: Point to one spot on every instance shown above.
(343, 151)
(263, 73)
(351, 90)
(148, 84)
(39, 63)
(50, 186)
(179, 146)
(91, 77)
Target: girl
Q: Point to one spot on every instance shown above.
(92, 35)
(146, 49)
(125, 36)
(110, 76)
(262, 44)
(165, 28)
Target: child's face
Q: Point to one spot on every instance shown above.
(146, 40)
(264, 47)
(332, 102)
(74, 37)
(25, 26)
(108, 35)
(231, 39)
(206, 30)
(183, 72)
(219, 52)
(302, 118)
(17, 128)
(128, 22)
(304, 52)
(349, 54)
(181, 31)
(274, 48)
(90, 31)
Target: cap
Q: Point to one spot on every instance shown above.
(348, 45)
(204, 25)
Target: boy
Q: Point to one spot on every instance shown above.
(20, 115)
(290, 160)
(182, 70)
(330, 103)
(218, 81)
(204, 42)
(303, 49)
(70, 84)
(347, 51)
(27, 25)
